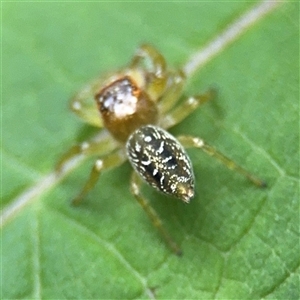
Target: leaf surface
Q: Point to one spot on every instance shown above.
(239, 242)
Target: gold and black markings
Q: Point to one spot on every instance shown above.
(161, 161)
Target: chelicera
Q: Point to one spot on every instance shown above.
(135, 107)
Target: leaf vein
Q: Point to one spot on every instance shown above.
(36, 256)
(282, 281)
(111, 248)
(261, 151)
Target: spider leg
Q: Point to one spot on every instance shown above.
(150, 56)
(151, 61)
(172, 93)
(100, 145)
(155, 219)
(109, 161)
(195, 142)
(184, 109)
(84, 105)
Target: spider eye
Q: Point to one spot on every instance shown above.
(161, 161)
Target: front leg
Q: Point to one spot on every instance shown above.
(185, 108)
(151, 62)
(84, 105)
(149, 58)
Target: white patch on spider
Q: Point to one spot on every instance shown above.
(124, 105)
(161, 147)
(120, 100)
(159, 72)
(146, 163)
(168, 120)
(177, 79)
(167, 159)
(84, 146)
(135, 160)
(137, 147)
(99, 164)
(198, 142)
(173, 187)
(155, 171)
(156, 134)
(140, 169)
(133, 154)
(76, 105)
(192, 101)
(148, 139)
(182, 179)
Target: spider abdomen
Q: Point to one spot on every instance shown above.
(161, 161)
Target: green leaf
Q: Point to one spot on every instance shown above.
(239, 242)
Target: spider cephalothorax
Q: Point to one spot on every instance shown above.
(124, 107)
(136, 106)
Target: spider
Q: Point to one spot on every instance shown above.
(135, 107)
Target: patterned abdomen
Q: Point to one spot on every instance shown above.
(161, 160)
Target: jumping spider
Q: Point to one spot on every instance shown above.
(137, 105)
